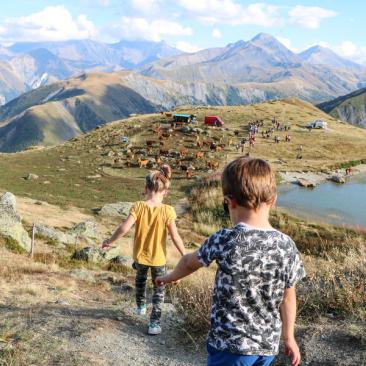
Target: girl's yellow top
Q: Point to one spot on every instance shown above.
(151, 231)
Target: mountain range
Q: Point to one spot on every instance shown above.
(25, 66)
(57, 90)
(262, 66)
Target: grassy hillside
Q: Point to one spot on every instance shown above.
(91, 170)
(349, 108)
(55, 113)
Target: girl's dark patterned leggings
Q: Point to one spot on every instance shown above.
(159, 292)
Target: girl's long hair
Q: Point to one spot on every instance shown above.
(159, 180)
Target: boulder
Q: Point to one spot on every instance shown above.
(11, 222)
(306, 183)
(337, 178)
(119, 209)
(86, 229)
(96, 255)
(56, 235)
(8, 199)
(31, 176)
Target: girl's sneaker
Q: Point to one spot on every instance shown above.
(140, 310)
(154, 328)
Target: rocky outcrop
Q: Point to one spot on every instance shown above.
(119, 209)
(306, 183)
(87, 230)
(50, 233)
(96, 255)
(11, 223)
(83, 231)
(337, 178)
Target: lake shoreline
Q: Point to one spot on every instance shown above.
(319, 177)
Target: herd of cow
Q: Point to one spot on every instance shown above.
(185, 148)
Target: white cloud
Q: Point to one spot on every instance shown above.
(309, 16)
(187, 47)
(230, 12)
(155, 30)
(145, 6)
(352, 51)
(54, 23)
(288, 44)
(216, 33)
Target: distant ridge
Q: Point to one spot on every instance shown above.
(319, 55)
(350, 108)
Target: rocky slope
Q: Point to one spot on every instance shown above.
(61, 111)
(350, 108)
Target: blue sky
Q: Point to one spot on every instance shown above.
(190, 24)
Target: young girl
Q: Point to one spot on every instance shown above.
(153, 221)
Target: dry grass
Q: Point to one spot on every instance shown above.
(192, 299)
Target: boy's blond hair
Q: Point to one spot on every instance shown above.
(251, 182)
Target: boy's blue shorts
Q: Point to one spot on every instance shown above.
(222, 358)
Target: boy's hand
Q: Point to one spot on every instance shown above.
(163, 280)
(292, 349)
(106, 244)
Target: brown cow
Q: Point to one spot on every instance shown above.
(183, 152)
(200, 154)
(189, 174)
(157, 159)
(143, 163)
(163, 152)
(213, 165)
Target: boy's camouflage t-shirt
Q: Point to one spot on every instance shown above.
(254, 268)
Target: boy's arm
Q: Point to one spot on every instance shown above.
(288, 317)
(177, 240)
(187, 265)
(121, 230)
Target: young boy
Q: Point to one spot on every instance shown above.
(258, 268)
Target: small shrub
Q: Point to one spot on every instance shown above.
(11, 244)
(193, 298)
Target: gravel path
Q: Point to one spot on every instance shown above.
(125, 342)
